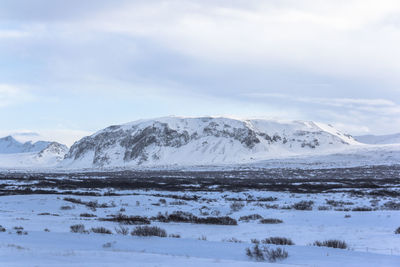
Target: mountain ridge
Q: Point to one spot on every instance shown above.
(201, 140)
(15, 154)
(9, 145)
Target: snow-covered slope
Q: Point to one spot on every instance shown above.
(50, 156)
(202, 141)
(8, 145)
(55, 151)
(379, 139)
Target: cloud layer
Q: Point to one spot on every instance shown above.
(83, 65)
(11, 95)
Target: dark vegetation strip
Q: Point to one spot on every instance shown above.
(176, 216)
(373, 180)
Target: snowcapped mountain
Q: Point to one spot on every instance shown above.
(201, 141)
(14, 154)
(9, 145)
(379, 139)
(54, 150)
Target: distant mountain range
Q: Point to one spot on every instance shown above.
(8, 145)
(379, 139)
(204, 141)
(17, 154)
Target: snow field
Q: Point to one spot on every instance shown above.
(370, 235)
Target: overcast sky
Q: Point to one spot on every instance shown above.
(68, 68)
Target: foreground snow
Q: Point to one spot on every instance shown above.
(65, 249)
(370, 235)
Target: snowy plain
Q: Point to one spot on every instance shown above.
(369, 234)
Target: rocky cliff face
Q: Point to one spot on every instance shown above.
(194, 141)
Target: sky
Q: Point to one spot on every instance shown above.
(70, 68)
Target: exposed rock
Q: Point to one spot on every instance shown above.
(203, 140)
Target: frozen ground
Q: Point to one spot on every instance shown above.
(365, 218)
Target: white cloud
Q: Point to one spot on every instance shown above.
(12, 95)
(352, 115)
(331, 37)
(7, 34)
(161, 52)
(374, 105)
